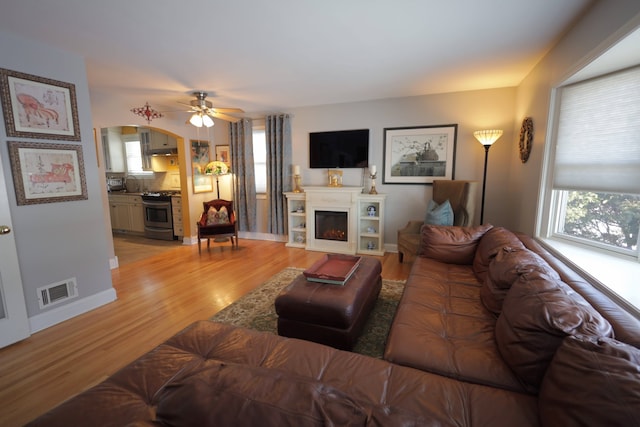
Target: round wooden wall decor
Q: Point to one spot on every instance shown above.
(526, 138)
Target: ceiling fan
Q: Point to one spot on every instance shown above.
(203, 111)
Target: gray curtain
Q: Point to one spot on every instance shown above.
(278, 136)
(241, 151)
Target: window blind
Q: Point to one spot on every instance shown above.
(598, 142)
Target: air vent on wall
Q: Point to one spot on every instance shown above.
(57, 292)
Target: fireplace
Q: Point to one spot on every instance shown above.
(331, 225)
(331, 219)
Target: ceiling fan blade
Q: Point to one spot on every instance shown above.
(228, 110)
(225, 117)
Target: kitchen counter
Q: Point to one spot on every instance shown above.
(124, 193)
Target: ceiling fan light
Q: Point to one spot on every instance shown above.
(196, 120)
(207, 121)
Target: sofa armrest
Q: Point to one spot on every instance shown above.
(412, 227)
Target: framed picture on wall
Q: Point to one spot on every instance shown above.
(37, 107)
(222, 154)
(420, 154)
(200, 157)
(47, 173)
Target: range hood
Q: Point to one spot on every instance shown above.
(163, 152)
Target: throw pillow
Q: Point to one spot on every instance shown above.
(538, 312)
(215, 216)
(450, 244)
(439, 214)
(592, 381)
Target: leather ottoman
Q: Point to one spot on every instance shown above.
(330, 314)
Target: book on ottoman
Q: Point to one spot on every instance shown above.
(335, 269)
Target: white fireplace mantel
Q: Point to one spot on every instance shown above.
(302, 219)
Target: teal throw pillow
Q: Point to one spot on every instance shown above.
(439, 214)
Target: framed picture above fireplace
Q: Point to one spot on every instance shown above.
(419, 154)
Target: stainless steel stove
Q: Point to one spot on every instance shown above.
(158, 221)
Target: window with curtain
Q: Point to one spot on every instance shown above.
(260, 159)
(593, 195)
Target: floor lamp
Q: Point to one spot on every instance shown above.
(486, 138)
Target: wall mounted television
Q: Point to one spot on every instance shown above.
(339, 149)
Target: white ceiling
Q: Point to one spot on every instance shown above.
(280, 54)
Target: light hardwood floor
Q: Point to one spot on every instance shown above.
(157, 297)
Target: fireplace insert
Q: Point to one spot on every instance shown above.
(331, 225)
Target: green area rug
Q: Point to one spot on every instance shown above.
(256, 311)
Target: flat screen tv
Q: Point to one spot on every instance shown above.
(339, 149)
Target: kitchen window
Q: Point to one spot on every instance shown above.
(135, 159)
(593, 188)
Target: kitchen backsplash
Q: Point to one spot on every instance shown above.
(168, 181)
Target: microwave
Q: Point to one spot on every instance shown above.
(115, 183)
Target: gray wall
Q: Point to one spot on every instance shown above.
(602, 26)
(473, 110)
(57, 241)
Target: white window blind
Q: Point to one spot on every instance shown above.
(598, 145)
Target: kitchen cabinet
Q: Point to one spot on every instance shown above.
(159, 141)
(113, 150)
(176, 213)
(127, 213)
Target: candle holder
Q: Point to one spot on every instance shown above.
(373, 184)
(297, 179)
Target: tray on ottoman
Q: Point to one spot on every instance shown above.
(335, 269)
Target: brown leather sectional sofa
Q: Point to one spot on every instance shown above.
(492, 330)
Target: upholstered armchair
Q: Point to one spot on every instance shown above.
(462, 197)
(217, 221)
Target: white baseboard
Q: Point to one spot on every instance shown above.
(391, 247)
(192, 240)
(68, 311)
(242, 235)
(261, 236)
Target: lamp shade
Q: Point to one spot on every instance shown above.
(216, 168)
(196, 120)
(207, 121)
(488, 137)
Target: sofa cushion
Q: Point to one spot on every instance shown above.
(538, 313)
(592, 381)
(504, 270)
(440, 326)
(219, 393)
(451, 244)
(439, 214)
(489, 246)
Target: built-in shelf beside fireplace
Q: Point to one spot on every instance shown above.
(337, 220)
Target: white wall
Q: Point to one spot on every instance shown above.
(57, 241)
